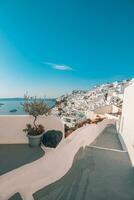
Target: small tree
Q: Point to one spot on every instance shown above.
(35, 107)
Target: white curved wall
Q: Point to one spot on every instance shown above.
(126, 128)
(11, 127)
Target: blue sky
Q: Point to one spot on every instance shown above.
(54, 46)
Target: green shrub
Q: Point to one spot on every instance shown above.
(35, 107)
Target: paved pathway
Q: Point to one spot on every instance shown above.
(96, 174)
(108, 139)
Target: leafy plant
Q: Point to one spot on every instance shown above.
(31, 130)
(35, 107)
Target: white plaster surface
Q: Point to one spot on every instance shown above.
(126, 126)
(51, 167)
(107, 109)
(11, 127)
(92, 115)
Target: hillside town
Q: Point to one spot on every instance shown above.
(99, 102)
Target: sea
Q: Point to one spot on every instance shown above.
(12, 106)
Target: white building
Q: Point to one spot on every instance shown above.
(126, 127)
(107, 109)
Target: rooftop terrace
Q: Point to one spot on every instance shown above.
(13, 156)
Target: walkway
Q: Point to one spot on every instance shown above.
(108, 139)
(96, 174)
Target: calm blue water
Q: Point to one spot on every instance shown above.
(10, 104)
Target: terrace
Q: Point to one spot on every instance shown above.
(101, 170)
(13, 156)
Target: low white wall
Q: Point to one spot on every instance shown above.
(109, 116)
(11, 127)
(126, 127)
(90, 115)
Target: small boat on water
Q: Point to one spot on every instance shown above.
(13, 110)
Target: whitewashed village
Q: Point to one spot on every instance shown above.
(97, 143)
(102, 101)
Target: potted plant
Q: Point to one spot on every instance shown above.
(35, 107)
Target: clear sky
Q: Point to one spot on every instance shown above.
(50, 47)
